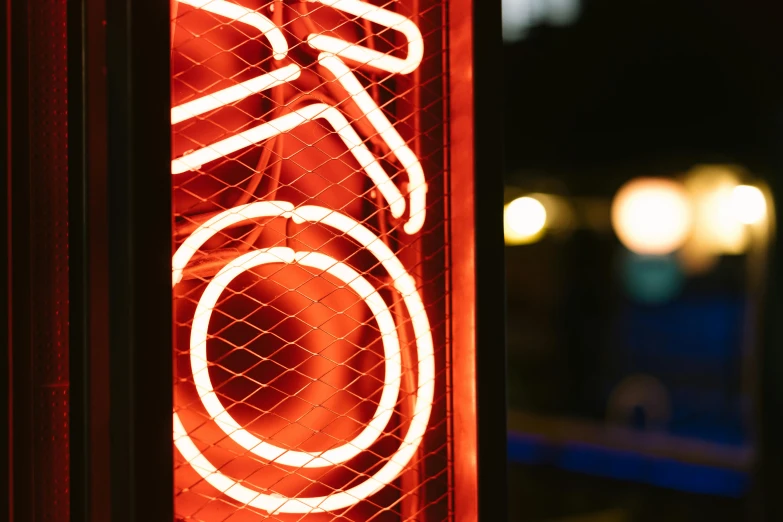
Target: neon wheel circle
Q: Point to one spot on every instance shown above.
(405, 286)
(218, 412)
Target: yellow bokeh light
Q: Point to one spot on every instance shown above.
(718, 223)
(652, 216)
(748, 204)
(716, 229)
(523, 221)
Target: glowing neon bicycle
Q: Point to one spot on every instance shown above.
(333, 52)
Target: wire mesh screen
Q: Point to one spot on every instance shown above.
(48, 229)
(310, 267)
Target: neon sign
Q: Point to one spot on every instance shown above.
(334, 53)
(334, 49)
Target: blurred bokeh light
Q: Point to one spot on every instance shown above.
(652, 216)
(524, 220)
(717, 228)
(748, 204)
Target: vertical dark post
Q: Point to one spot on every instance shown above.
(490, 273)
(35, 289)
(769, 462)
(78, 268)
(140, 305)
(478, 282)
(5, 252)
(88, 270)
(5, 274)
(18, 228)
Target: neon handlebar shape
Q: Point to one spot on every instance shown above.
(371, 57)
(246, 16)
(417, 185)
(233, 94)
(332, 47)
(290, 121)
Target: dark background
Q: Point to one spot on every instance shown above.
(641, 88)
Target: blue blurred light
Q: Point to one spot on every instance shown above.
(628, 466)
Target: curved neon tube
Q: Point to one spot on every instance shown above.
(290, 121)
(232, 216)
(233, 94)
(417, 185)
(246, 16)
(212, 403)
(405, 286)
(371, 57)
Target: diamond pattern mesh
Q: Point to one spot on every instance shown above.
(48, 231)
(311, 260)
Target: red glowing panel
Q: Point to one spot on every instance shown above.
(309, 271)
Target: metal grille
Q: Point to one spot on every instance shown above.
(48, 110)
(311, 266)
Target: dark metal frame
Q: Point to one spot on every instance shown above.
(478, 286)
(17, 275)
(490, 266)
(89, 286)
(5, 419)
(140, 248)
(765, 505)
(121, 261)
(29, 328)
